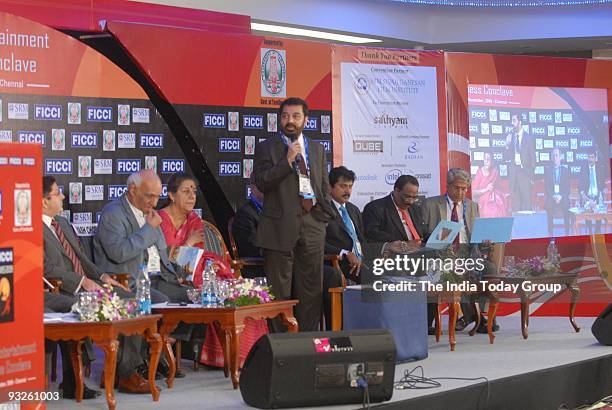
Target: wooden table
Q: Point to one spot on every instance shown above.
(580, 215)
(105, 335)
(229, 323)
(567, 279)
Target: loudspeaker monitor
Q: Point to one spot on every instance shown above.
(318, 368)
(602, 327)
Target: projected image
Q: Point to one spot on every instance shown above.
(540, 155)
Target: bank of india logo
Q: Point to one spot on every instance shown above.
(273, 73)
(361, 84)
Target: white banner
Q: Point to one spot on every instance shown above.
(389, 127)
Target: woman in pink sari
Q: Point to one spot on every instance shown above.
(491, 200)
(183, 227)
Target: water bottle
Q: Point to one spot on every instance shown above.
(209, 280)
(552, 253)
(143, 291)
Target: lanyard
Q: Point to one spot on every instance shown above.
(256, 204)
(450, 204)
(284, 139)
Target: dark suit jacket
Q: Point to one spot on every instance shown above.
(279, 224)
(382, 223)
(600, 176)
(337, 236)
(434, 210)
(564, 186)
(527, 151)
(244, 230)
(57, 265)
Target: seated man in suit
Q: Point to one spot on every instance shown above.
(592, 185)
(244, 230)
(454, 206)
(129, 235)
(557, 189)
(65, 260)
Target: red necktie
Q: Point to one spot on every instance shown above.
(76, 264)
(410, 225)
(306, 202)
(455, 218)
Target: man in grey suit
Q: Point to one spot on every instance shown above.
(456, 207)
(520, 155)
(291, 172)
(64, 259)
(129, 235)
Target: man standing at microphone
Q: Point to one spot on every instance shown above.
(291, 171)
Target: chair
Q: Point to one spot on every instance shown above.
(213, 242)
(53, 286)
(253, 261)
(600, 254)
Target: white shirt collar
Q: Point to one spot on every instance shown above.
(137, 212)
(47, 220)
(338, 204)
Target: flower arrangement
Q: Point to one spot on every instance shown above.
(536, 266)
(103, 304)
(245, 292)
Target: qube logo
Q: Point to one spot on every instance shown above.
(115, 191)
(170, 166)
(127, 166)
(252, 122)
(214, 121)
(31, 137)
(227, 169)
(151, 140)
(47, 112)
(392, 176)
(84, 139)
(99, 114)
(311, 124)
(58, 166)
(229, 144)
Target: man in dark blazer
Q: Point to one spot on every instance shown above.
(557, 190)
(244, 230)
(64, 259)
(291, 172)
(395, 217)
(520, 157)
(592, 185)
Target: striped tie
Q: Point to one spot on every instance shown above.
(76, 263)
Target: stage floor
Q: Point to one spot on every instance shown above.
(552, 342)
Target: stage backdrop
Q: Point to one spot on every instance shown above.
(95, 123)
(227, 88)
(562, 104)
(22, 346)
(391, 111)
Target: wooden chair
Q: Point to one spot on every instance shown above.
(54, 288)
(213, 242)
(256, 261)
(602, 260)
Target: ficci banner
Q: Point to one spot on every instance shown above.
(21, 263)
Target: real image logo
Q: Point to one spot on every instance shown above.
(94, 193)
(84, 139)
(252, 122)
(273, 73)
(47, 112)
(127, 166)
(115, 191)
(229, 144)
(99, 114)
(170, 166)
(214, 121)
(151, 140)
(18, 111)
(58, 166)
(227, 169)
(31, 137)
(392, 176)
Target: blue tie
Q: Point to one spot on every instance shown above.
(351, 230)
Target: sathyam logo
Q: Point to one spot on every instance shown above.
(47, 112)
(58, 166)
(273, 73)
(392, 176)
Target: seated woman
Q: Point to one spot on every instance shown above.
(183, 227)
(491, 200)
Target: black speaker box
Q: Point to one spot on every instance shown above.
(602, 327)
(318, 368)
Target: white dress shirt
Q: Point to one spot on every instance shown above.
(357, 245)
(153, 264)
(449, 212)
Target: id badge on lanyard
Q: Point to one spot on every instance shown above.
(305, 187)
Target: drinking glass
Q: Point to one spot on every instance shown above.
(260, 281)
(194, 296)
(223, 290)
